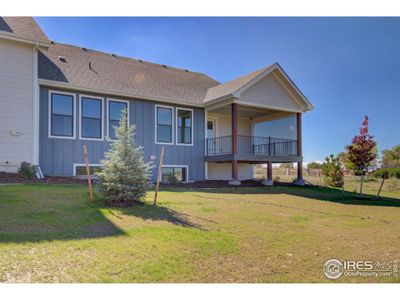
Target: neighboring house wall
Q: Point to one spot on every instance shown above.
(268, 91)
(223, 171)
(16, 104)
(57, 155)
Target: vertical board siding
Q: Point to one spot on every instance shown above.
(57, 156)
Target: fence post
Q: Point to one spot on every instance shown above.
(269, 145)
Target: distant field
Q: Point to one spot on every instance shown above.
(391, 187)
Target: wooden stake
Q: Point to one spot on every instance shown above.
(380, 188)
(85, 156)
(159, 175)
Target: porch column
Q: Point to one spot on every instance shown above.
(234, 145)
(300, 180)
(269, 176)
(268, 181)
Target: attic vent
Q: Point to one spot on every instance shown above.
(139, 60)
(113, 55)
(62, 59)
(84, 49)
(164, 66)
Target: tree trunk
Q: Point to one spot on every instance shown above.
(361, 183)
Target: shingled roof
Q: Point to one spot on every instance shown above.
(23, 27)
(106, 73)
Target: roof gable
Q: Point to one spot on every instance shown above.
(237, 87)
(22, 27)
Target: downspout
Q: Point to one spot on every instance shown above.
(35, 142)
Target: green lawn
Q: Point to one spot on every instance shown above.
(51, 233)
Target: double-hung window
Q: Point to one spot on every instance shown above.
(115, 110)
(61, 115)
(91, 112)
(184, 127)
(164, 124)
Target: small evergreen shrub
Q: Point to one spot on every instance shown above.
(332, 172)
(27, 170)
(124, 177)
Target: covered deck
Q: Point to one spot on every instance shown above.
(254, 119)
(240, 134)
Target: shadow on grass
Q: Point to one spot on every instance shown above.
(150, 212)
(36, 213)
(311, 192)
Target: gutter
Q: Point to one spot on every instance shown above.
(17, 38)
(67, 86)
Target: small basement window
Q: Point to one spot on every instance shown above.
(80, 169)
(180, 173)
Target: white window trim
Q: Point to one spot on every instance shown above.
(108, 112)
(176, 126)
(49, 107)
(80, 117)
(82, 165)
(172, 124)
(178, 166)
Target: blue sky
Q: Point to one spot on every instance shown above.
(346, 67)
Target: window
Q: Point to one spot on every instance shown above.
(115, 109)
(80, 169)
(184, 127)
(180, 172)
(91, 112)
(210, 129)
(61, 115)
(164, 125)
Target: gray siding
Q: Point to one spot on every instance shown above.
(57, 156)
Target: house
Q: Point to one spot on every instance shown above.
(54, 98)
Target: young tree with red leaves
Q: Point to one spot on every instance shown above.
(361, 153)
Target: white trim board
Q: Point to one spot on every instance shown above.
(172, 124)
(80, 117)
(108, 112)
(49, 108)
(36, 109)
(177, 126)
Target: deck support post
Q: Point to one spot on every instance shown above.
(234, 180)
(299, 180)
(269, 181)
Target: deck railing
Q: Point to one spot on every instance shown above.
(252, 145)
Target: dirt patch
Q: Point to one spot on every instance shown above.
(117, 203)
(17, 178)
